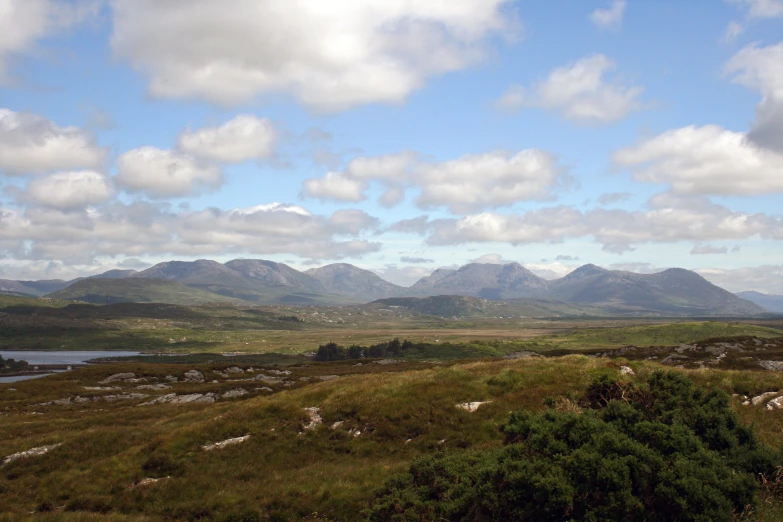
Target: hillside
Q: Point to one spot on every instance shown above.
(483, 280)
(130, 290)
(462, 306)
(772, 303)
(356, 283)
(674, 291)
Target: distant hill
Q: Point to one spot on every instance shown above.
(461, 306)
(256, 281)
(770, 302)
(674, 291)
(587, 290)
(483, 280)
(31, 288)
(351, 281)
(136, 290)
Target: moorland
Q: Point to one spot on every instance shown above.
(240, 411)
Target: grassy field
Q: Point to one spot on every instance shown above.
(27, 325)
(282, 472)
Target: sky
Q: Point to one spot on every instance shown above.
(396, 135)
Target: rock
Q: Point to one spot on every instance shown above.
(153, 387)
(122, 397)
(82, 400)
(755, 401)
(775, 404)
(147, 482)
(279, 372)
(354, 433)
(314, 413)
(337, 424)
(627, 370)
(118, 377)
(523, 355)
(173, 398)
(471, 406)
(193, 376)
(387, 361)
(171, 378)
(328, 377)
(774, 366)
(223, 444)
(102, 388)
(34, 452)
(267, 379)
(235, 369)
(232, 394)
(265, 389)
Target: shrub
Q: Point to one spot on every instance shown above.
(663, 451)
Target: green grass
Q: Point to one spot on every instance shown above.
(658, 335)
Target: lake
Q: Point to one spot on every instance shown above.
(64, 358)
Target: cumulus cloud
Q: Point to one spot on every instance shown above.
(578, 92)
(243, 138)
(701, 250)
(767, 279)
(762, 8)
(164, 173)
(733, 31)
(704, 160)
(613, 197)
(335, 186)
(469, 183)
(761, 69)
(31, 144)
(668, 220)
(24, 22)
(69, 190)
(329, 55)
(418, 225)
(144, 229)
(611, 17)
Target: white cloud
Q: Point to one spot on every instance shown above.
(579, 93)
(733, 31)
(469, 183)
(761, 69)
(701, 250)
(767, 279)
(402, 275)
(143, 229)
(611, 17)
(392, 197)
(668, 220)
(69, 190)
(243, 138)
(488, 180)
(31, 144)
(329, 55)
(762, 8)
(164, 173)
(334, 186)
(24, 22)
(704, 160)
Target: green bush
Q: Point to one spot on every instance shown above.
(663, 451)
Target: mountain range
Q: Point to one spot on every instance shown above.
(588, 288)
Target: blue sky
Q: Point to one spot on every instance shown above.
(394, 135)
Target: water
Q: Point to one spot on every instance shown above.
(64, 358)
